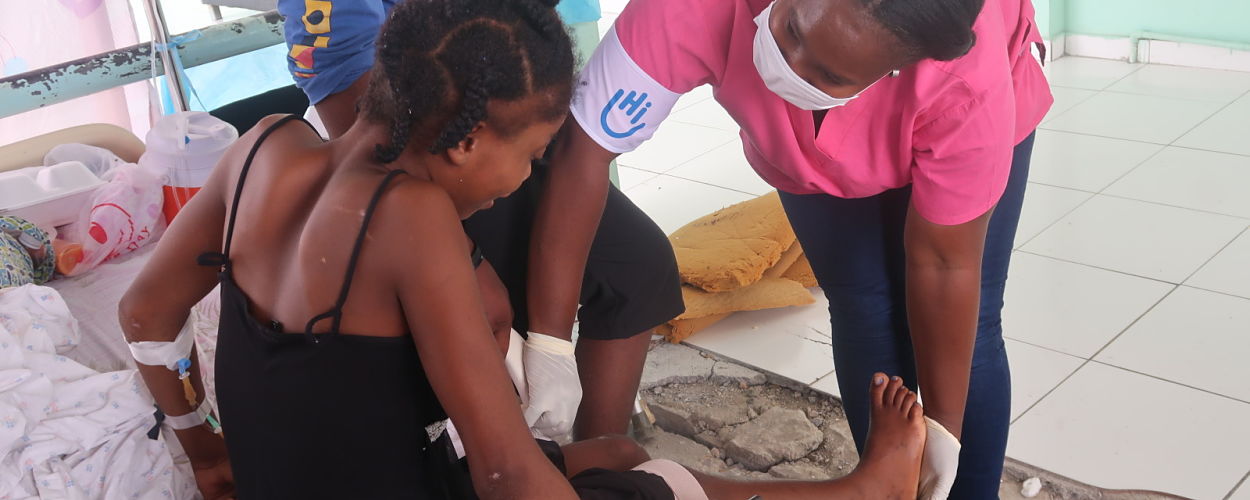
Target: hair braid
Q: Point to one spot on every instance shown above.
(439, 63)
(472, 112)
(541, 15)
(401, 130)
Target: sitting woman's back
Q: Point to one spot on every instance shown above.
(350, 312)
(297, 402)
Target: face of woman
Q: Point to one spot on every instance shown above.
(835, 45)
(489, 164)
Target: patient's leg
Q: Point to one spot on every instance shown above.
(890, 468)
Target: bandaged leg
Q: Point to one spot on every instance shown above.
(680, 480)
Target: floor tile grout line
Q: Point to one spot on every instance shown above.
(1169, 143)
(1136, 68)
(674, 167)
(1208, 118)
(1173, 382)
(1040, 346)
(1056, 221)
(713, 127)
(1134, 169)
(771, 189)
(1156, 280)
(1217, 292)
(1169, 205)
(705, 183)
(1137, 142)
(1059, 186)
(1245, 480)
(1044, 127)
(1216, 254)
(1070, 108)
(1191, 148)
(1135, 321)
(1090, 359)
(1049, 392)
(1065, 215)
(1134, 141)
(1184, 99)
(1091, 266)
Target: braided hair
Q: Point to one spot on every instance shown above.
(439, 62)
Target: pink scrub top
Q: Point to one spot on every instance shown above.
(946, 128)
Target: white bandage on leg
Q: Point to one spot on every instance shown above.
(680, 480)
(193, 419)
(940, 463)
(165, 354)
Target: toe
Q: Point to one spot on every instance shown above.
(900, 396)
(916, 413)
(877, 388)
(908, 401)
(892, 390)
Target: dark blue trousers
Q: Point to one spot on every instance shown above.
(856, 250)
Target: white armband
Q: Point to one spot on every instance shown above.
(166, 354)
(617, 103)
(193, 419)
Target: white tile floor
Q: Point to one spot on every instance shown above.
(1128, 310)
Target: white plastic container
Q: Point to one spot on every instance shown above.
(48, 196)
(185, 147)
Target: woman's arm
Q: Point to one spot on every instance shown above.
(568, 216)
(943, 302)
(156, 306)
(443, 305)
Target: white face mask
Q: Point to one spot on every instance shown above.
(781, 78)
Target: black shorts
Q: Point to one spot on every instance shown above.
(631, 284)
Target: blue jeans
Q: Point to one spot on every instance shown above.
(856, 250)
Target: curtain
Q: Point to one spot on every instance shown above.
(39, 33)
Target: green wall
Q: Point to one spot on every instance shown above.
(1220, 20)
(1052, 17)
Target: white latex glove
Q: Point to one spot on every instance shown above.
(514, 361)
(555, 391)
(940, 462)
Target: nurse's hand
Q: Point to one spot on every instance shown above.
(940, 462)
(555, 391)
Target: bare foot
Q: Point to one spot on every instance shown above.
(890, 467)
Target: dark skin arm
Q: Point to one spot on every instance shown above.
(568, 217)
(943, 302)
(157, 304)
(440, 297)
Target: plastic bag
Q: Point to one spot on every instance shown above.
(123, 215)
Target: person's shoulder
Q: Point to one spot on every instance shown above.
(416, 223)
(410, 204)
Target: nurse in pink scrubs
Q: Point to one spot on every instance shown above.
(899, 134)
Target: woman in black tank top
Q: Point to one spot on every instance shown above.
(351, 318)
(350, 315)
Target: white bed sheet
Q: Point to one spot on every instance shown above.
(92, 299)
(70, 432)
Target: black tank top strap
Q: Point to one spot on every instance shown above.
(223, 259)
(336, 314)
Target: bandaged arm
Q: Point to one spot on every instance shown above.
(159, 301)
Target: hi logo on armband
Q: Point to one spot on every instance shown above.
(634, 105)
